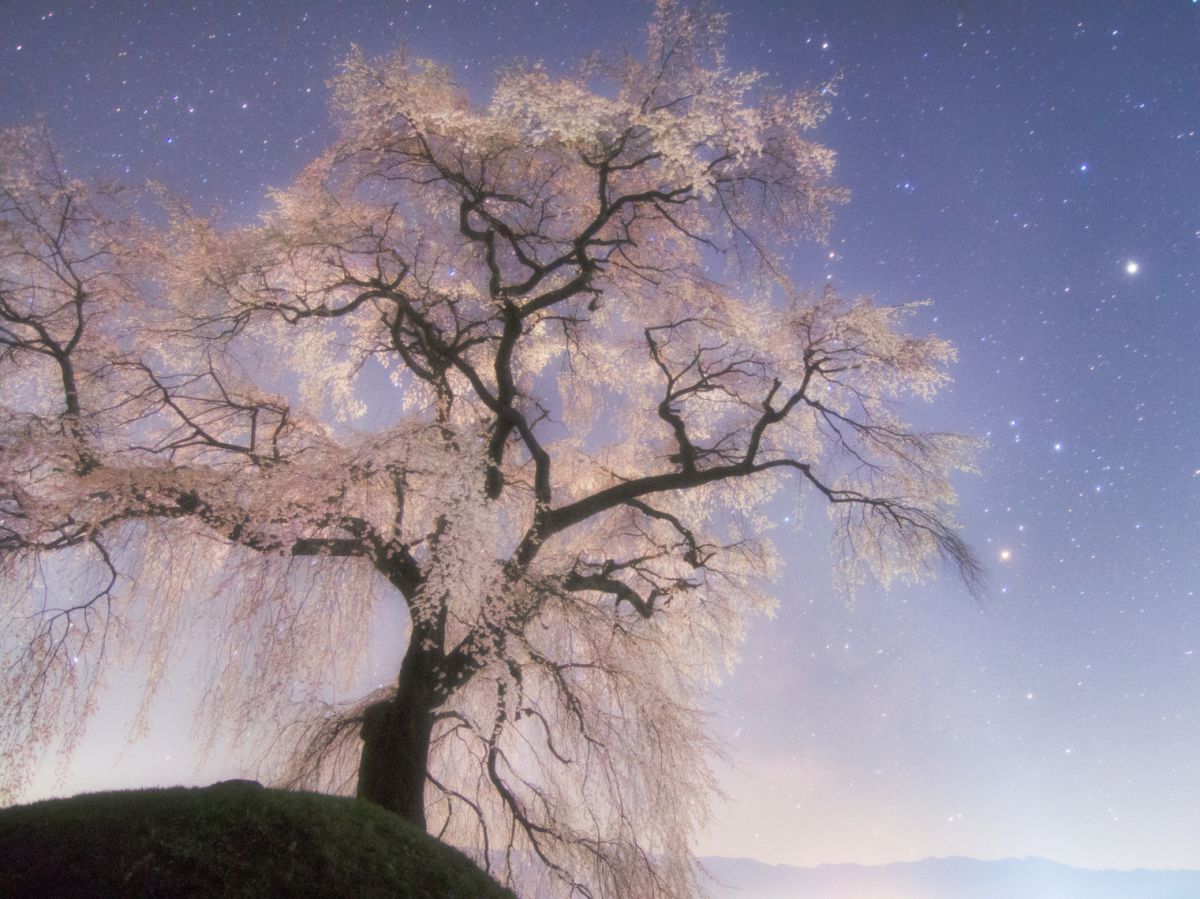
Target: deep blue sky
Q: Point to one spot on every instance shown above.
(1034, 168)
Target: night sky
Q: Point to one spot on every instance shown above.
(1034, 169)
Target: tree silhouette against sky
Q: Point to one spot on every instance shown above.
(534, 369)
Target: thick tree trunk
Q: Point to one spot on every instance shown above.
(395, 735)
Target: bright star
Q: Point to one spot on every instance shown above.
(1132, 268)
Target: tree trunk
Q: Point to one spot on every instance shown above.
(395, 735)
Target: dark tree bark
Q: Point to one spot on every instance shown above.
(396, 734)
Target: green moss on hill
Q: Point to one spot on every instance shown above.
(226, 840)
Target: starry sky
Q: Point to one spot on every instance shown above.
(1034, 169)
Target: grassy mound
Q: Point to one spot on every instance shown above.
(226, 840)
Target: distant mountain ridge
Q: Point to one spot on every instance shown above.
(944, 878)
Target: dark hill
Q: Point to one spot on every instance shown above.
(234, 839)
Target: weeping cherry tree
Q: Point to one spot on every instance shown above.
(534, 371)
